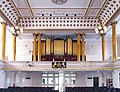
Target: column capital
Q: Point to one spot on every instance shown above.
(34, 34)
(83, 34)
(77, 33)
(47, 37)
(113, 22)
(70, 37)
(40, 34)
(14, 34)
(4, 22)
(102, 34)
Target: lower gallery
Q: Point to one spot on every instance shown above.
(59, 45)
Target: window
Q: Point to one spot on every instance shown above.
(57, 80)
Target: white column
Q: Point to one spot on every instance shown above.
(104, 78)
(116, 80)
(14, 78)
(2, 79)
(61, 81)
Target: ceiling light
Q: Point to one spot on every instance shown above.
(17, 29)
(105, 28)
(100, 29)
(21, 30)
(96, 30)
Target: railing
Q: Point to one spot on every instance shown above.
(70, 66)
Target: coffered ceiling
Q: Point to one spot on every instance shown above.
(68, 18)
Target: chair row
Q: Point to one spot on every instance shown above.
(91, 89)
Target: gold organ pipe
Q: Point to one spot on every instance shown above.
(69, 46)
(83, 47)
(39, 47)
(78, 47)
(48, 46)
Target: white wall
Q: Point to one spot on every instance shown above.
(2, 79)
(19, 78)
(116, 79)
(118, 48)
(82, 78)
(93, 50)
(9, 45)
(24, 50)
(108, 50)
(89, 82)
(37, 79)
(118, 38)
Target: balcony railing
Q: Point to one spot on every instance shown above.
(70, 66)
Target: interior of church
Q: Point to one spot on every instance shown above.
(59, 45)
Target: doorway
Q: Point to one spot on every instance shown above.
(95, 81)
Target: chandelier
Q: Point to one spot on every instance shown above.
(100, 29)
(16, 29)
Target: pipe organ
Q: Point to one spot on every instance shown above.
(60, 49)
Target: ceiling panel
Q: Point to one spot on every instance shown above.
(21, 3)
(92, 12)
(57, 12)
(97, 3)
(50, 4)
(25, 12)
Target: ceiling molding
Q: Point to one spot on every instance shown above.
(29, 7)
(59, 8)
(90, 2)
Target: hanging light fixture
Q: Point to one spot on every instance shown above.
(17, 29)
(100, 29)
